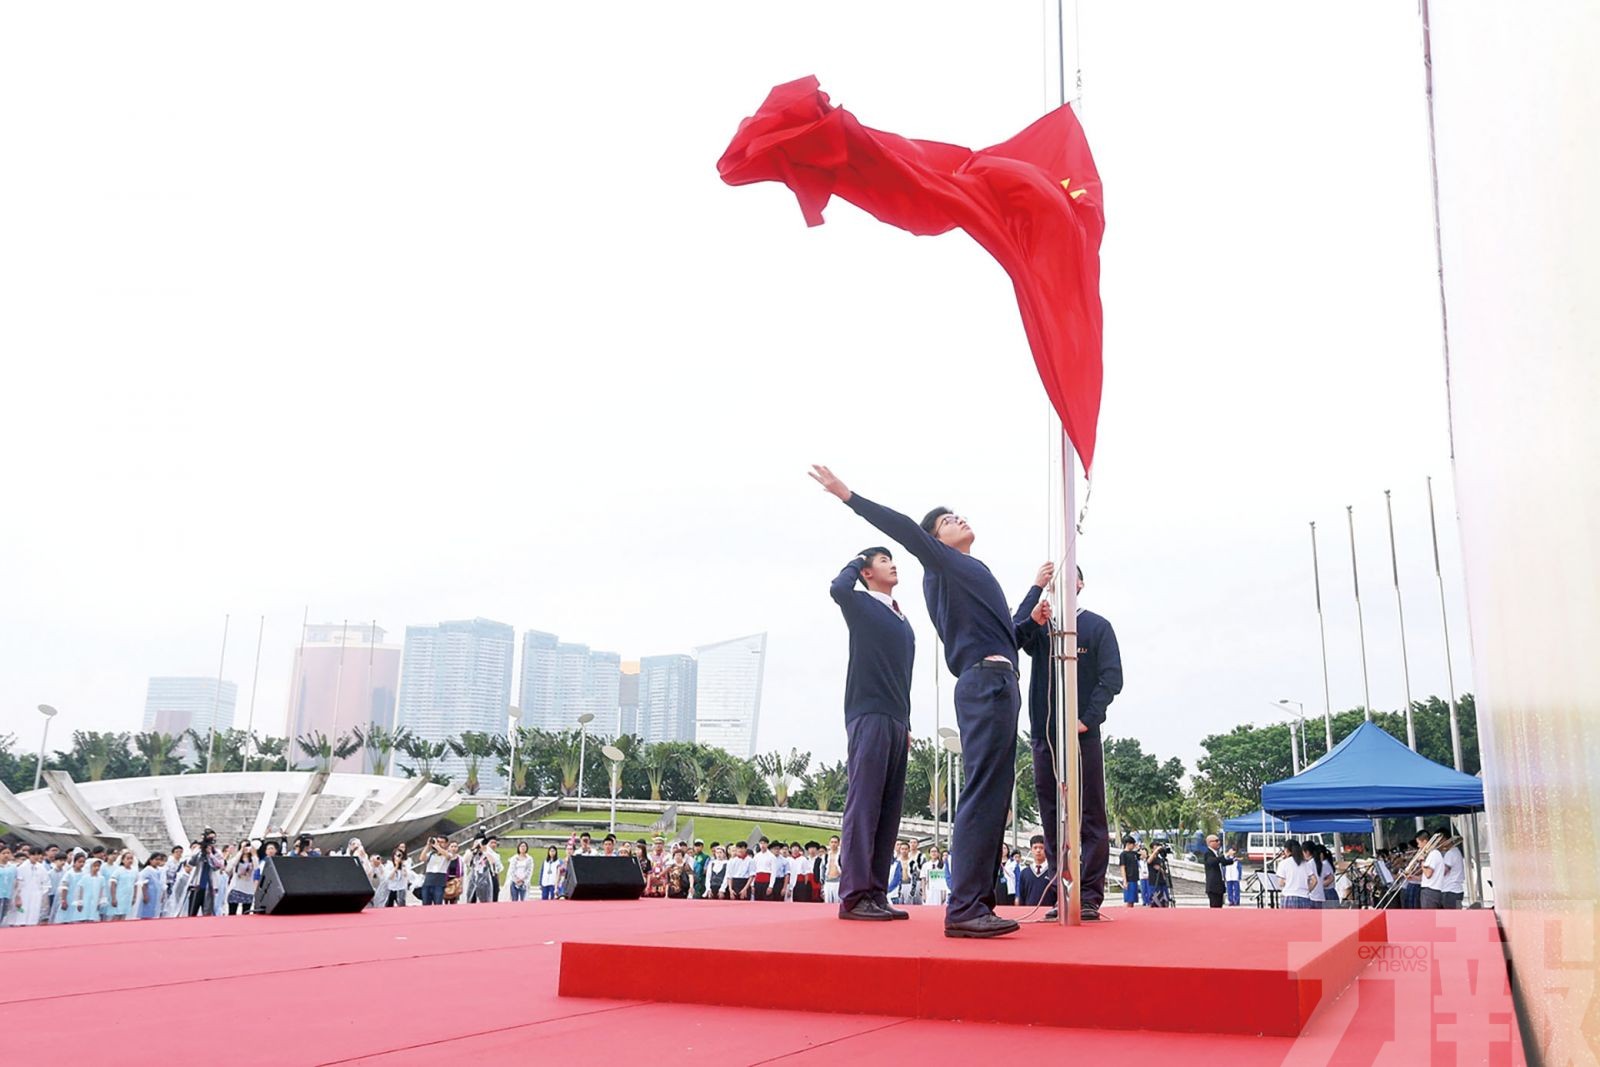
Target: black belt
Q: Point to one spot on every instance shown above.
(995, 665)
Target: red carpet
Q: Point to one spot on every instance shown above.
(1231, 971)
(422, 985)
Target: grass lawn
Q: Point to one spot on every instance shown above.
(632, 825)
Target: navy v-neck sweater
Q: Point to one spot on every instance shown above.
(882, 650)
(964, 600)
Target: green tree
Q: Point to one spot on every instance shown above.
(270, 754)
(423, 755)
(827, 785)
(380, 742)
(744, 778)
(475, 746)
(95, 756)
(160, 751)
(323, 750)
(706, 768)
(780, 771)
(1140, 788)
(926, 787)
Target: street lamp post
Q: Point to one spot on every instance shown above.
(1305, 757)
(614, 757)
(49, 713)
(583, 724)
(514, 713)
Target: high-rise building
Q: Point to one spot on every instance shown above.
(561, 681)
(728, 693)
(173, 705)
(667, 687)
(628, 698)
(456, 677)
(344, 678)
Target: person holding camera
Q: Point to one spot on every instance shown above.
(1160, 877)
(435, 870)
(204, 865)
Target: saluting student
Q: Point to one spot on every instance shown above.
(971, 616)
(877, 723)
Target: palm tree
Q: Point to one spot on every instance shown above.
(743, 778)
(380, 743)
(323, 750)
(781, 771)
(273, 752)
(706, 768)
(98, 750)
(475, 746)
(568, 752)
(158, 750)
(423, 755)
(829, 782)
(656, 759)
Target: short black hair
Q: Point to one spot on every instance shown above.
(1036, 839)
(930, 521)
(1129, 841)
(870, 554)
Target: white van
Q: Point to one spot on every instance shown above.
(1260, 846)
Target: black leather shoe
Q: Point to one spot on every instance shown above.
(894, 912)
(1089, 915)
(1052, 915)
(865, 911)
(990, 925)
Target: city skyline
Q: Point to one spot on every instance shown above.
(343, 678)
(456, 677)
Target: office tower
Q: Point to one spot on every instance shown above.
(667, 686)
(174, 705)
(456, 677)
(344, 678)
(728, 693)
(561, 681)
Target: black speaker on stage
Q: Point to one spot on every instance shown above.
(604, 878)
(312, 885)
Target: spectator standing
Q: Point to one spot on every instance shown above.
(1455, 880)
(242, 881)
(552, 873)
(1230, 878)
(1297, 876)
(936, 879)
(435, 871)
(1034, 878)
(152, 887)
(120, 882)
(1216, 863)
(1435, 868)
(717, 873)
(832, 873)
(1129, 862)
(520, 872)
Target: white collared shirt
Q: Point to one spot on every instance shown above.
(887, 601)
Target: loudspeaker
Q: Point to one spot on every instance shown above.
(312, 885)
(604, 878)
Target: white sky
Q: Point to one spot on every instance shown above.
(413, 313)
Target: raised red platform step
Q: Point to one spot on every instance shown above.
(1233, 971)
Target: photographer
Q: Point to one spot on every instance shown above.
(204, 865)
(1160, 878)
(436, 870)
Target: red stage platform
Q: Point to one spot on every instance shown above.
(426, 985)
(1233, 971)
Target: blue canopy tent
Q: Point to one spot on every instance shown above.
(1370, 775)
(1259, 822)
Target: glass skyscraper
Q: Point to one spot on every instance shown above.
(667, 687)
(561, 681)
(455, 677)
(174, 705)
(728, 693)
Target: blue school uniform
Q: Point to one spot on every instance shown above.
(125, 878)
(155, 884)
(93, 888)
(67, 885)
(8, 887)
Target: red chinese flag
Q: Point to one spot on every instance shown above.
(1032, 202)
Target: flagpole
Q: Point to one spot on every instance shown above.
(250, 723)
(1064, 639)
(1361, 626)
(216, 698)
(1322, 634)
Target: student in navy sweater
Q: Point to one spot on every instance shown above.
(1099, 681)
(877, 720)
(973, 620)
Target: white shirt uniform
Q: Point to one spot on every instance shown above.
(1456, 880)
(1435, 863)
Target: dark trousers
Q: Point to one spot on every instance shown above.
(1214, 898)
(775, 889)
(433, 888)
(987, 704)
(876, 769)
(1096, 838)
